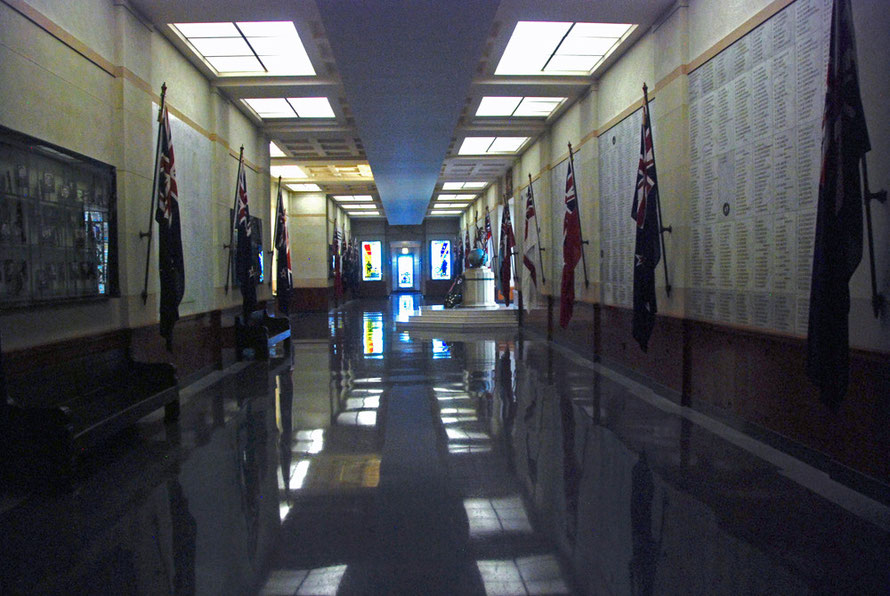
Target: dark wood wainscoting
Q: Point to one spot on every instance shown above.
(745, 377)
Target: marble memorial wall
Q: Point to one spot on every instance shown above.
(755, 114)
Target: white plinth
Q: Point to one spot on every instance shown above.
(478, 288)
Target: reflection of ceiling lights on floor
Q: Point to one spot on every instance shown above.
(309, 441)
(537, 574)
(489, 517)
(321, 581)
(362, 418)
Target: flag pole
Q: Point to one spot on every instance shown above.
(580, 231)
(537, 229)
(877, 299)
(154, 192)
(275, 240)
(661, 228)
(234, 219)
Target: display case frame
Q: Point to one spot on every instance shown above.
(58, 224)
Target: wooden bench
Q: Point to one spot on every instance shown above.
(54, 413)
(261, 332)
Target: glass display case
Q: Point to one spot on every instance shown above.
(57, 223)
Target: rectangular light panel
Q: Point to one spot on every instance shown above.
(509, 107)
(304, 187)
(269, 47)
(565, 48)
(463, 185)
(491, 145)
(287, 172)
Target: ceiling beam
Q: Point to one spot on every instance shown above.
(532, 86)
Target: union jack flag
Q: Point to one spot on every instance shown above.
(171, 267)
(243, 217)
(647, 252)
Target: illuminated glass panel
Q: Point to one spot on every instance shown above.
(271, 47)
(372, 269)
(372, 336)
(441, 350)
(405, 267)
(552, 48)
(440, 259)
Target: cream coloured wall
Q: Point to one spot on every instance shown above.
(87, 76)
(682, 40)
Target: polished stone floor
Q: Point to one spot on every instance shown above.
(378, 462)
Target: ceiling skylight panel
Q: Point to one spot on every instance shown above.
(287, 172)
(538, 106)
(223, 64)
(581, 45)
(271, 107)
(266, 28)
(507, 144)
(221, 46)
(530, 46)
(497, 106)
(304, 187)
(475, 145)
(191, 30)
(614, 30)
(271, 47)
(312, 107)
(571, 64)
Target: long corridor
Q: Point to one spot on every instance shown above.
(382, 462)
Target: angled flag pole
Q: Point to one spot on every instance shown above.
(234, 219)
(154, 192)
(578, 207)
(541, 249)
(661, 228)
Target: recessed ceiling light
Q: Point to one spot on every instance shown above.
(352, 207)
(287, 172)
(269, 47)
(304, 187)
(450, 205)
(550, 48)
(491, 145)
(442, 213)
(364, 213)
